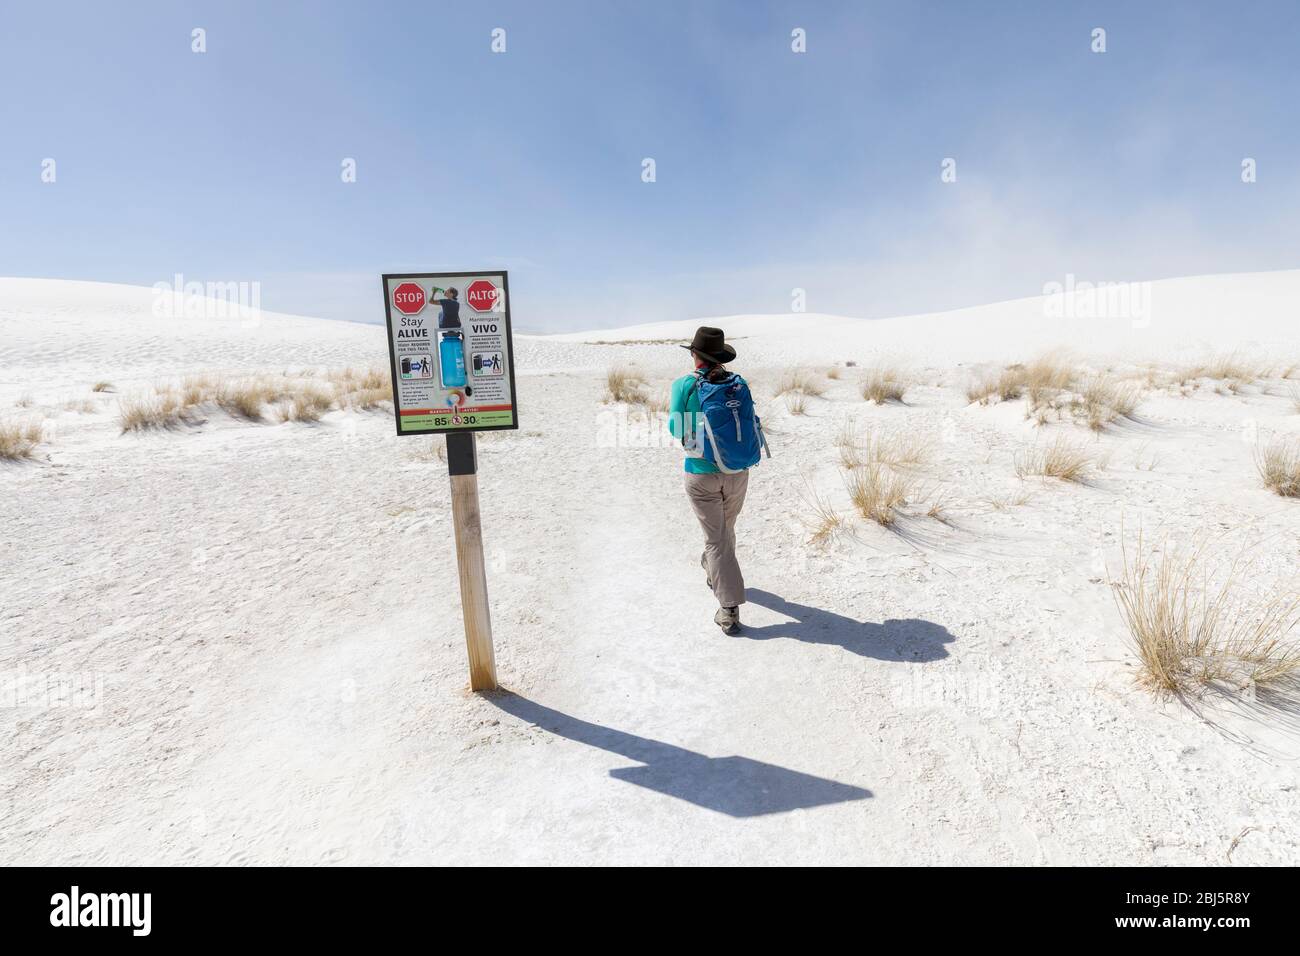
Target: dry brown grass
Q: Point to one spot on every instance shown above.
(900, 448)
(302, 396)
(878, 493)
(982, 389)
(1191, 628)
(1007, 502)
(796, 403)
(1062, 459)
(833, 373)
(849, 443)
(656, 402)
(365, 399)
(821, 518)
(1278, 464)
(83, 405)
(1054, 390)
(19, 438)
(1040, 379)
(1006, 386)
(1142, 462)
(306, 405)
(356, 379)
(1230, 367)
(102, 387)
(625, 384)
(883, 385)
(196, 389)
(162, 409)
(938, 508)
(802, 380)
(1103, 400)
(246, 398)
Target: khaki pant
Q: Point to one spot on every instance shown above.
(717, 500)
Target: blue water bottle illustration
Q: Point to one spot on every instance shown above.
(451, 360)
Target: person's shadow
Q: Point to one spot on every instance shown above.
(903, 639)
(736, 786)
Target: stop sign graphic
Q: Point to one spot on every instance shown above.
(408, 298)
(482, 295)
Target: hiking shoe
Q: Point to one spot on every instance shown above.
(704, 563)
(728, 618)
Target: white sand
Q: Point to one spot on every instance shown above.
(270, 615)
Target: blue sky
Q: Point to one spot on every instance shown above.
(775, 170)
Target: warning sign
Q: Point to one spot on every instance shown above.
(451, 350)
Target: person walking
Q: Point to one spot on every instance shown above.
(718, 459)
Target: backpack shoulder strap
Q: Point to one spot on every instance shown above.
(686, 403)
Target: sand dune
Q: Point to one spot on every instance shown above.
(261, 618)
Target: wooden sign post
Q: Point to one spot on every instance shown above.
(453, 368)
(462, 466)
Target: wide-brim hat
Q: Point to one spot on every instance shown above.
(710, 343)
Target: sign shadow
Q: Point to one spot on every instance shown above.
(736, 786)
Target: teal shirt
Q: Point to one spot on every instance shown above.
(683, 406)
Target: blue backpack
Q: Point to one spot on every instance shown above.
(727, 431)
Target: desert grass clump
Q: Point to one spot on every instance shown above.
(656, 402)
(1007, 502)
(1230, 367)
(848, 441)
(354, 379)
(1191, 628)
(877, 493)
(82, 405)
(18, 439)
(801, 380)
(883, 385)
(1041, 380)
(625, 384)
(1103, 400)
(163, 409)
(981, 390)
(360, 389)
(821, 518)
(938, 509)
(1278, 464)
(197, 389)
(102, 387)
(1061, 459)
(899, 448)
(1007, 386)
(833, 372)
(307, 404)
(1051, 371)
(246, 398)
(365, 399)
(796, 403)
